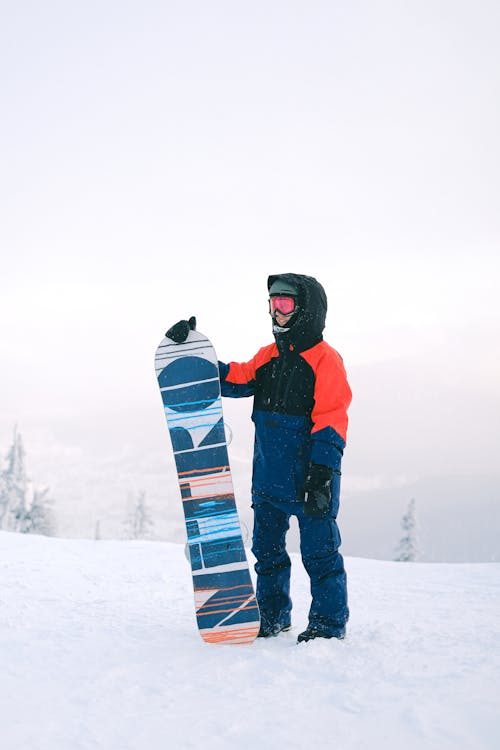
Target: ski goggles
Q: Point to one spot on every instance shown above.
(283, 304)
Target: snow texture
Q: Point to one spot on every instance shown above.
(100, 651)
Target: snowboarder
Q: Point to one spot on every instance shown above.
(301, 396)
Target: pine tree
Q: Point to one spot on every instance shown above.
(408, 545)
(39, 517)
(23, 507)
(3, 498)
(14, 486)
(140, 525)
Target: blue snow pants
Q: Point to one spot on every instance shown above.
(319, 543)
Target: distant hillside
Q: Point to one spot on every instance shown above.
(459, 519)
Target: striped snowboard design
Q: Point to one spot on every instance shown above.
(225, 603)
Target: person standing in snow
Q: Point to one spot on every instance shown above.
(301, 396)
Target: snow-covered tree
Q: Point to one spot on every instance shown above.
(38, 518)
(408, 546)
(3, 497)
(23, 507)
(14, 486)
(140, 525)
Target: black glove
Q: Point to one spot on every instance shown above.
(318, 491)
(179, 332)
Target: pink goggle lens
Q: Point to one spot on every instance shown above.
(284, 305)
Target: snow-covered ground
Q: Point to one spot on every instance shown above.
(99, 651)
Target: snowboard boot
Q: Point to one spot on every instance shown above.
(267, 631)
(310, 633)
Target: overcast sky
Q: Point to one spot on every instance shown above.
(160, 159)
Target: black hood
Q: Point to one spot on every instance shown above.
(307, 328)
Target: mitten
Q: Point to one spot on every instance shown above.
(317, 491)
(179, 332)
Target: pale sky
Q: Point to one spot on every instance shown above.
(160, 159)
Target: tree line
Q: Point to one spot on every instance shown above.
(27, 508)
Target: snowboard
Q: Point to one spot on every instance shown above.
(225, 603)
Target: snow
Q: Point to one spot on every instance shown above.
(100, 651)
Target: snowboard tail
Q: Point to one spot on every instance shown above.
(225, 603)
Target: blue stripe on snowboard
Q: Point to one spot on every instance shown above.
(199, 507)
(189, 398)
(213, 528)
(209, 413)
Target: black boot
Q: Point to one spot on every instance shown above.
(266, 631)
(310, 633)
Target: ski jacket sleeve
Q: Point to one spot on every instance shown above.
(332, 396)
(237, 379)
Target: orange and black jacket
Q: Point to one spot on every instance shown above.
(301, 396)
